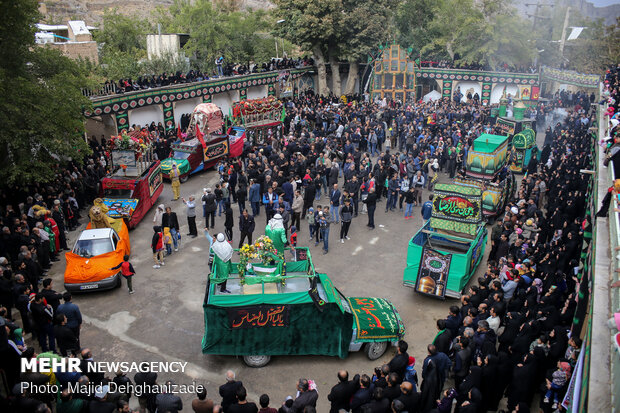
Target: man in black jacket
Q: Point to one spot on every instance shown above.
(146, 380)
(399, 362)
(169, 219)
(167, 401)
(246, 226)
(66, 339)
(371, 204)
(392, 391)
(309, 195)
(341, 393)
(209, 205)
(60, 221)
(363, 395)
(409, 398)
(42, 315)
(443, 339)
(228, 391)
(353, 188)
(50, 295)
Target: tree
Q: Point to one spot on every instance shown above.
(219, 30)
(420, 34)
(481, 31)
(41, 104)
(313, 25)
(366, 24)
(123, 45)
(124, 33)
(596, 48)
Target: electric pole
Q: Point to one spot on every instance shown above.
(563, 39)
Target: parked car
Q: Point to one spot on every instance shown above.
(93, 254)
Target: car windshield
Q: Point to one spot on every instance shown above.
(343, 301)
(117, 193)
(181, 155)
(88, 248)
(237, 133)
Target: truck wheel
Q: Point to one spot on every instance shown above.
(376, 350)
(183, 179)
(256, 361)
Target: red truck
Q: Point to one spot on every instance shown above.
(135, 183)
(206, 144)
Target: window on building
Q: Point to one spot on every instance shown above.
(398, 81)
(387, 81)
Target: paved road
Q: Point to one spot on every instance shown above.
(163, 320)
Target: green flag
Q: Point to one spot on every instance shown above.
(283, 114)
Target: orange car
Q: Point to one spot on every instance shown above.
(94, 253)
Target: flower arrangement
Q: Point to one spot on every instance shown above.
(262, 249)
(137, 142)
(253, 106)
(124, 142)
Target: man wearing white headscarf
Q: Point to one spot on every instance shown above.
(276, 232)
(222, 255)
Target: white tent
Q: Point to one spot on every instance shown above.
(432, 96)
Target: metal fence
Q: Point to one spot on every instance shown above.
(105, 90)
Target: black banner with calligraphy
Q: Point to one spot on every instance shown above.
(216, 150)
(258, 316)
(433, 273)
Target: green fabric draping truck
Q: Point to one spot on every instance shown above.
(293, 311)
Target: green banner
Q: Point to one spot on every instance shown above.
(457, 208)
(375, 318)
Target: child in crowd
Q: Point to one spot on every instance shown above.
(559, 379)
(127, 271)
(157, 245)
(311, 222)
(168, 240)
(410, 373)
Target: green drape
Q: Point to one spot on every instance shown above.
(309, 332)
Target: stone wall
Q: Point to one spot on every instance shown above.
(75, 50)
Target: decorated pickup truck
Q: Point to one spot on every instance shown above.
(206, 144)
(486, 169)
(135, 181)
(286, 308)
(257, 121)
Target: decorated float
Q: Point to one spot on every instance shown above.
(485, 170)
(99, 248)
(135, 181)
(523, 150)
(273, 306)
(511, 125)
(257, 121)
(444, 254)
(206, 143)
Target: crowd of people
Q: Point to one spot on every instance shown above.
(501, 67)
(510, 336)
(222, 69)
